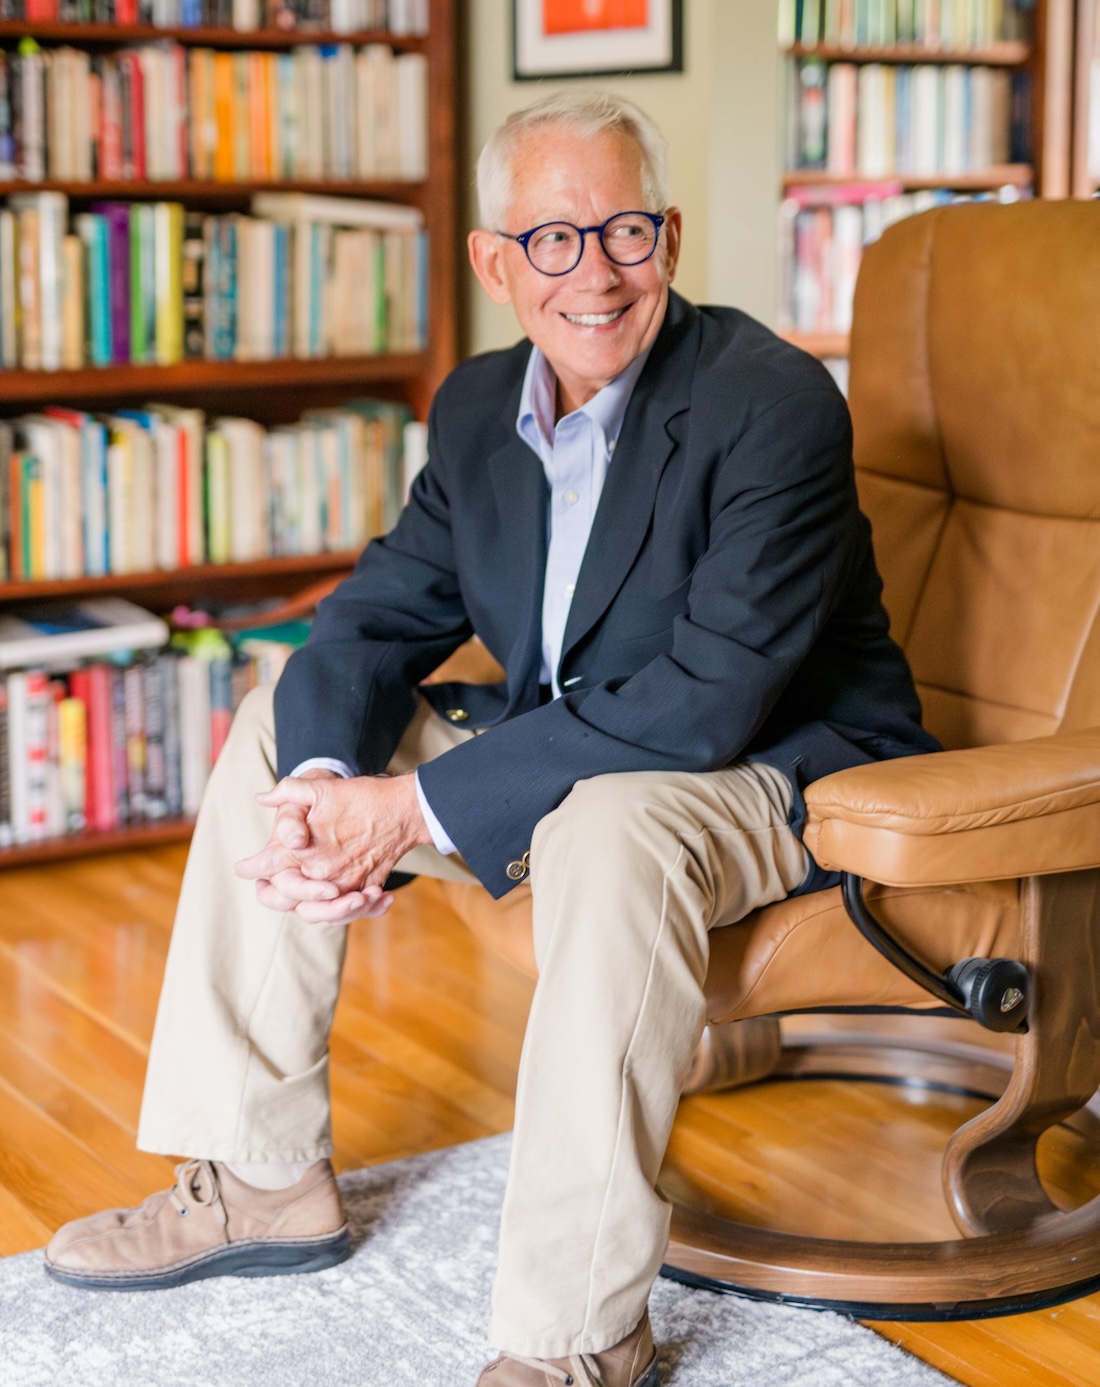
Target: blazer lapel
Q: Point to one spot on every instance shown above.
(644, 447)
(519, 489)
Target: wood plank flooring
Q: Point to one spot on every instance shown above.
(425, 1050)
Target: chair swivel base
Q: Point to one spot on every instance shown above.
(1055, 1259)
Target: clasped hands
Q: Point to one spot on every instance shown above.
(333, 844)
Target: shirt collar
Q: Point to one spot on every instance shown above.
(538, 401)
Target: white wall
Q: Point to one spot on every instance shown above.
(720, 118)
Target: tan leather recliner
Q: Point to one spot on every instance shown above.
(975, 393)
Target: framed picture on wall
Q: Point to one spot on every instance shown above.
(595, 38)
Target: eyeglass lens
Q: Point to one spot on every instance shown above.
(557, 247)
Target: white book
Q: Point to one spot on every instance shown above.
(337, 211)
(166, 468)
(246, 14)
(412, 115)
(925, 109)
(247, 491)
(871, 135)
(57, 635)
(955, 146)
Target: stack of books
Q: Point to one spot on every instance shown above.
(104, 724)
(933, 24)
(150, 283)
(335, 16)
(163, 488)
(162, 111)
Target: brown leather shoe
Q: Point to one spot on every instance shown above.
(630, 1363)
(209, 1224)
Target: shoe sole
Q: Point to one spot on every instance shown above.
(260, 1258)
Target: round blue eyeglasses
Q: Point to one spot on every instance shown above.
(555, 248)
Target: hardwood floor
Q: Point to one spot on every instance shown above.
(425, 1049)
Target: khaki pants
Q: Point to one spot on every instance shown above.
(628, 876)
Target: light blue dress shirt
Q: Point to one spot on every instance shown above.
(575, 452)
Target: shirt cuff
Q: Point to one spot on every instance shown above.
(324, 763)
(439, 834)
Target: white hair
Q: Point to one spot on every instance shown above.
(587, 113)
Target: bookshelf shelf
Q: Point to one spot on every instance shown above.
(206, 193)
(1007, 53)
(115, 35)
(1001, 176)
(300, 567)
(86, 844)
(194, 377)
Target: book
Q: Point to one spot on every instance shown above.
(54, 635)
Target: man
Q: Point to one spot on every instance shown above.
(647, 513)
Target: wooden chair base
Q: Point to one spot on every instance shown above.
(1056, 1258)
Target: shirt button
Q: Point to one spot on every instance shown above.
(570, 589)
(570, 498)
(457, 715)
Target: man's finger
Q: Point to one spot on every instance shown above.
(295, 886)
(274, 899)
(341, 911)
(265, 863)
(290, 790)
(291, 828)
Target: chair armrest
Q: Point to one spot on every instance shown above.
(1012, 810)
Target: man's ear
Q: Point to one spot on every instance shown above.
(486, 253)
(672, 228)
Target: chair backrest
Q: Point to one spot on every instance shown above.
(975, 396)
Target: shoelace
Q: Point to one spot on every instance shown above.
(183, 1195)
(582, 1369)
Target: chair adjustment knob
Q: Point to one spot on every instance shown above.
(995, 991)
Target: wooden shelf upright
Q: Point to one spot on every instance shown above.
(271, 391)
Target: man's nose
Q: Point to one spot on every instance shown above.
(595, 265)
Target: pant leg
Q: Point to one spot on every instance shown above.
(238, 1067)
(628, 876)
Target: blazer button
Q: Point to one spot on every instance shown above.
(516, 871)
(457, 715)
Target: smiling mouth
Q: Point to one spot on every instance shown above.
(595, 319)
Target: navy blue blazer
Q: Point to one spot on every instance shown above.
(728, 605)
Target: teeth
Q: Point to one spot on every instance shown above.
(594, 319)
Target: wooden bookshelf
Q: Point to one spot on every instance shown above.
(1084, 182)
(272, 391)
(1048, 58)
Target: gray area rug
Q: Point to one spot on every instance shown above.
(408, 1309)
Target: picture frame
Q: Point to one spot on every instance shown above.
(596, 38)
